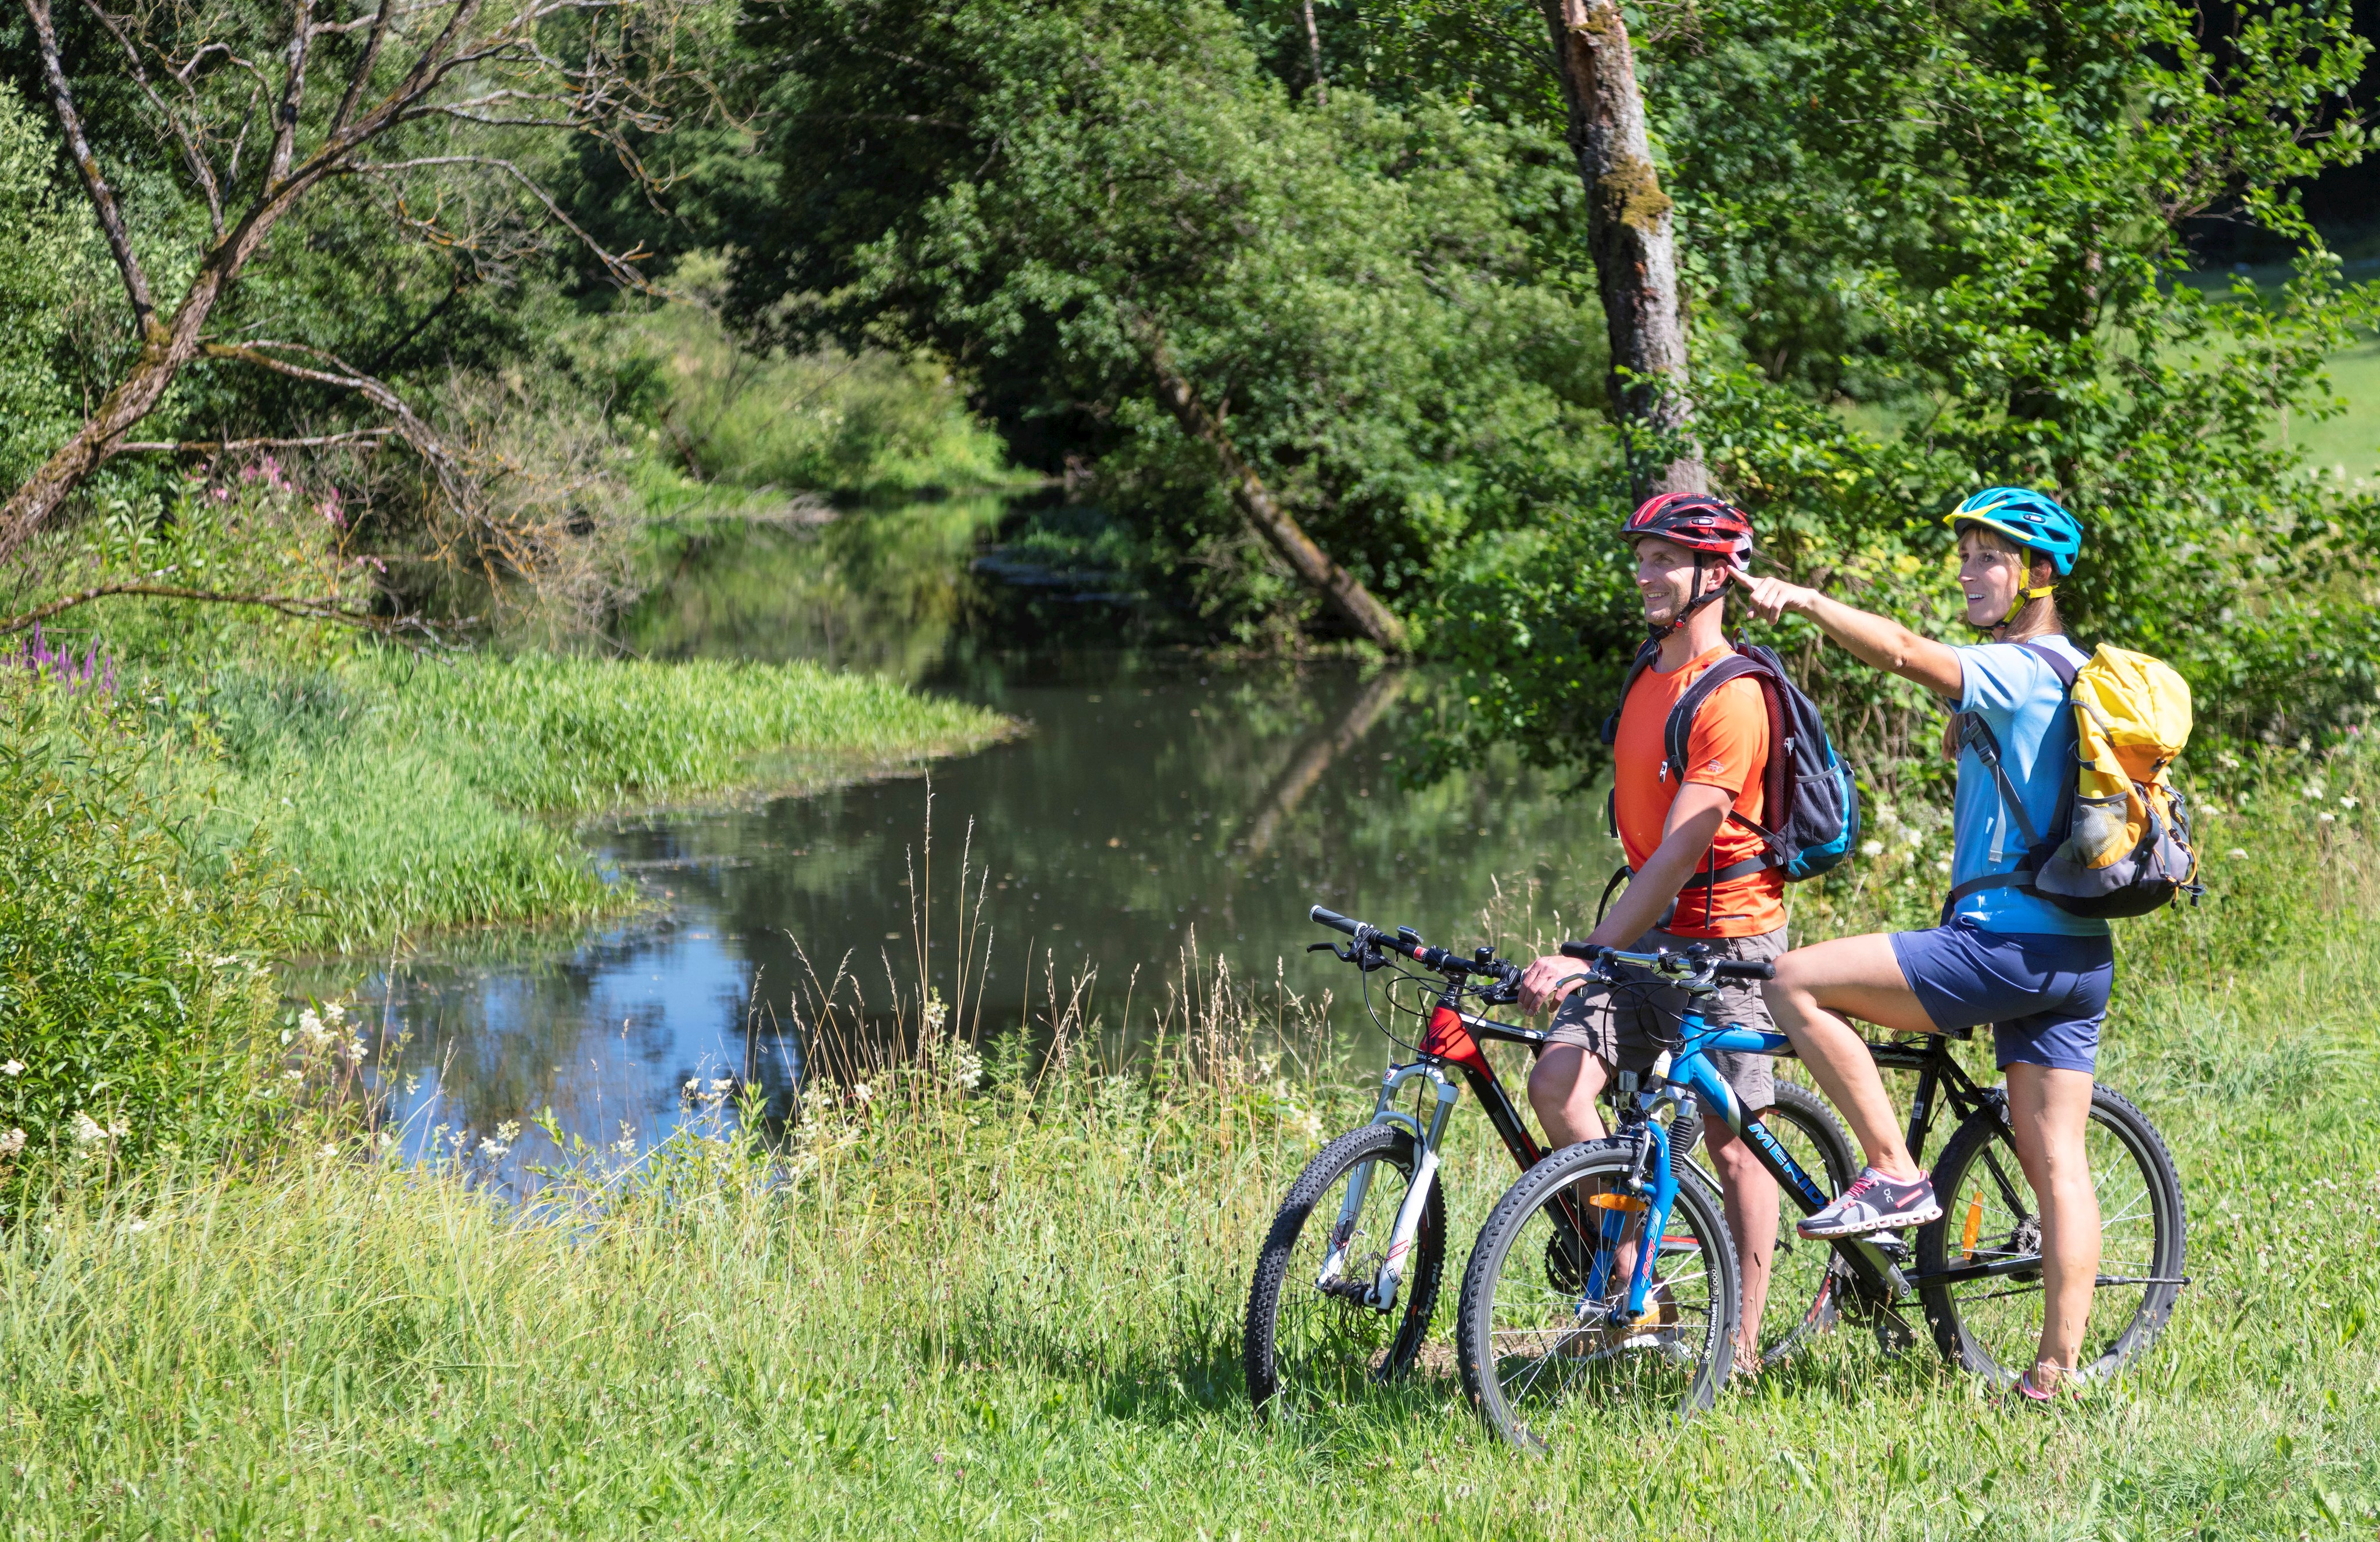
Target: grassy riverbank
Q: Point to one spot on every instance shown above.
(410, 793)
(988, 1299)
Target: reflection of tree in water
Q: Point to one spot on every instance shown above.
(875, 591)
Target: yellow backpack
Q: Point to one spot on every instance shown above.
(2121, 846)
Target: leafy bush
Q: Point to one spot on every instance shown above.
(134, 988)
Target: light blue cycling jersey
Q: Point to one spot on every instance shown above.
(2020, 697)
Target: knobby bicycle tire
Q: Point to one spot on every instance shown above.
(1987, 1326)
(1688, 1355)
(1338, 1347)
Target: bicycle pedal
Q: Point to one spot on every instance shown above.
(1891, 1244)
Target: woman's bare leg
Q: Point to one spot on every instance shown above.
(1859, 976)
(2049, 1111)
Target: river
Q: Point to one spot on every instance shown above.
(1155, 800)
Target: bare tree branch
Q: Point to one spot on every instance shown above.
(201, 171)
(293, 95)
(288, 605)
(462, 63)
(94, 181)
(234, 447)
(362, 76)
(616, 266)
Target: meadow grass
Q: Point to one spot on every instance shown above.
(411, 792)
(999, 1293)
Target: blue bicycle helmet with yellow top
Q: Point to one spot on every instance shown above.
(2031, 519)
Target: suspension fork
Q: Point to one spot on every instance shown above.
(1383, 1292)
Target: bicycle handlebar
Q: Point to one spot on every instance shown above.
(1409, 943)
(1333, 920)
(1677, 965)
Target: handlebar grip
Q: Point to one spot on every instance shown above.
(1580, 950)
(1745, 969)
(1331, 919)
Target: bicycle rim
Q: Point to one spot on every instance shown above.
(1536, 1348)
(1992, 1327)
(1309, 1346)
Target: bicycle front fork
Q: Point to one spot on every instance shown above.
(1381, 1294)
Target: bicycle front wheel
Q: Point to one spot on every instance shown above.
(1312, 1339)
(1978, 1267)
(1553, 1262)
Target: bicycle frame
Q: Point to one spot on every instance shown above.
(1689, 1071)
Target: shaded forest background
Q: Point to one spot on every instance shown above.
(831, 250)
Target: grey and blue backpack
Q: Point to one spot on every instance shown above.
(1805, 778)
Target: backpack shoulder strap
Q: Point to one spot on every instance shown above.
(1734, 667)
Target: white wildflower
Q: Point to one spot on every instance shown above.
(135, 1224)
(87, 1129)
(721, 1083)
(937, 1011)
(356, 1050)
(1870, 848)
(2315, 792)
(693, 1085)
(2328, 818)
(330, 1150)
(2236, 852)
(12, 1067)
(1913, 835)
(860, 1093)
(311, 1035)
(1941, 864)
(333, 1013)
(12, 1143)
(2348, 802)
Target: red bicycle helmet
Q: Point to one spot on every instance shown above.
(1704, 525)
(1696, 522)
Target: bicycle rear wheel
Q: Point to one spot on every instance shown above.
(1989, 1324)
(1309, 1342)
(1802, 1282)
(1552, 1264)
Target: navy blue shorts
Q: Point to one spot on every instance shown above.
(2044, 995)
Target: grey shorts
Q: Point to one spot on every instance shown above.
(1632, 1035)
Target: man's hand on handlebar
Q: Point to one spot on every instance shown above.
(1549, 979)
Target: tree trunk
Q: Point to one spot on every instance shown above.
(1628, 229)
(1341, 592)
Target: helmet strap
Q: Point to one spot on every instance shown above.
(1658, 631)
(2023, 597)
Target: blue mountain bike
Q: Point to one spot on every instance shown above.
(1607, 1271)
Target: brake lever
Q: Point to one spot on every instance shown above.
(1322, 947)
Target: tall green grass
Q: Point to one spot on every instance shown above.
(135, 987)
(999, 1292)
(410, 792)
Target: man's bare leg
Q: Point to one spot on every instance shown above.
(2049, 1111)
(1859, 976)
(1563, 1086)
(1750, 1191)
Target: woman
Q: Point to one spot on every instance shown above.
(2005, 956)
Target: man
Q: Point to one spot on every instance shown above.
(1698, 875)
(2039, 974)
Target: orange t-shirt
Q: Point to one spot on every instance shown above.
(1727, 747)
